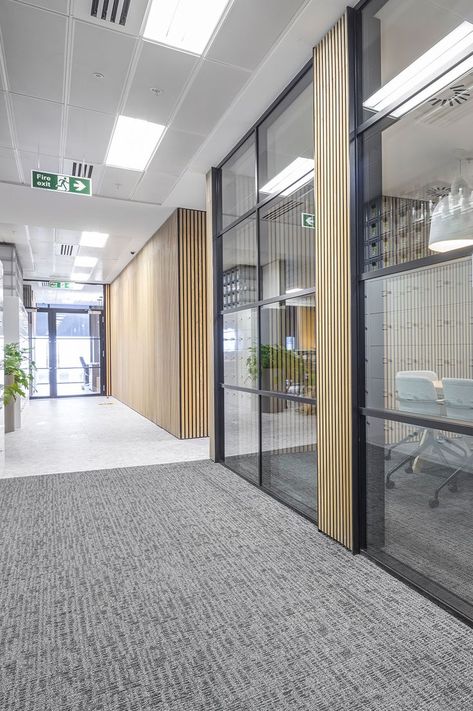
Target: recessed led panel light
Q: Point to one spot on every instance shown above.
(450, 49)
(85, 262)
(133, 143)
(293, 172)
(94, 239)
(184, 24)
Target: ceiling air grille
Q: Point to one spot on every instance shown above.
(66, 250)
(82, 170)
(278, 212)
(115, 11)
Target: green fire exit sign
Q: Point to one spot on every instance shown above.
(59, 285)
(61, 183)
(308, 220)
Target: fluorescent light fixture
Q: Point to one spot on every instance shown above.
(184, 24)
(294, 290)
(88, 262)
(133, 143)
(451, 49)
(80, 276)
(94, 239)
(293, 172)
(300, 183)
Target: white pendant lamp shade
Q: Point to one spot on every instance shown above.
(452, 220)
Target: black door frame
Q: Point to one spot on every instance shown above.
(52, 312)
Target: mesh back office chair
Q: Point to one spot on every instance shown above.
(458, 394)
(405, 404)
(417, 394)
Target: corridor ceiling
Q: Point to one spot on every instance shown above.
(66, 76)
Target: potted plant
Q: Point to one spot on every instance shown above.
(17, 380)
(277, 365)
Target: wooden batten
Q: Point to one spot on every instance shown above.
(333, 298)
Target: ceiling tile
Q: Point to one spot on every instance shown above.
(8, 169)
(161, 68)
(38, 124)
(155, 187)
(5, 138)
(133, 22)
(88, 135)
(175, 151)
(119, 183)
(41, 234)
(55, 5)
(99, 50)
(269, 18)
(210, 94)
(34, 47)
(33, 161)
(67, 237)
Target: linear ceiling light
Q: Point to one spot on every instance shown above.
(184, 24)
(133, 143)
(87, 262)
(439, 58)
(297, 170)
(300, 184)
(94, 239)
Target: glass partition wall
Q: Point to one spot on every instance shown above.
(415, 242)
(265, 248)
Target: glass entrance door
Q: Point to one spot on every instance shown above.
(67, 350)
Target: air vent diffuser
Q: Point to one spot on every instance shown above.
(82, 170)
(66, 250)
(114, 11)
(278, 212)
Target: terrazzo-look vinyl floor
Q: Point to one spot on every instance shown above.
(69, 434)
(181, 587)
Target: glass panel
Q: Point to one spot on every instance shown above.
(401, 50)
(419, 341)
(81, 381)
(406, 519)
(40, 352)
(242, 433)
(288, 346)
(288, 243)
(240, 338)
(286, 142)
(240, 260)
(41, 382)
(39, 324)
(239, 183)
(289, 459)
(77, 325)
(76, 352)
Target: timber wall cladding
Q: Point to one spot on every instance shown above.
(158, 328)
(333, 305)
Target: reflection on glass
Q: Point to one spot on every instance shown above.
(420, 501)
(240, 336)
(419, 341)
(239, 265)
(40, 386)
(242, 433)
(286, 144)
(239, 183)
(287, 245)
(289, 459)
(76, 325)
(288, 346)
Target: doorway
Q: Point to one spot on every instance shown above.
(67, 349)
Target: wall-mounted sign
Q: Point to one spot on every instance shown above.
(61, 183)
(60, 285)
(308, 220)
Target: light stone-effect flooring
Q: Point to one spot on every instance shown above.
(86, 434)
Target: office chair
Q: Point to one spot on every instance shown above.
(458, 395)
(86, 370)
(404, 405)
(417, 394)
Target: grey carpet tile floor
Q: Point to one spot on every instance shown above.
(183, 587)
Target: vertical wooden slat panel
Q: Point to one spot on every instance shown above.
(333, 299)
(193, 323)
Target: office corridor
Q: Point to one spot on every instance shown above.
(182, 587)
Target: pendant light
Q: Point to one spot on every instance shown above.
(452, 219)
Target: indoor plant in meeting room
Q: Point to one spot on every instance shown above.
(17, 379)
(278, 365)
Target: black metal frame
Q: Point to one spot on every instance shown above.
(52, 313)
(377, 123)
(218, 234)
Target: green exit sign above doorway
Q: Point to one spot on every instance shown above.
(59, 284)
(308, 220)
(61, 183)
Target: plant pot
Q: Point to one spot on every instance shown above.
(9, 409)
